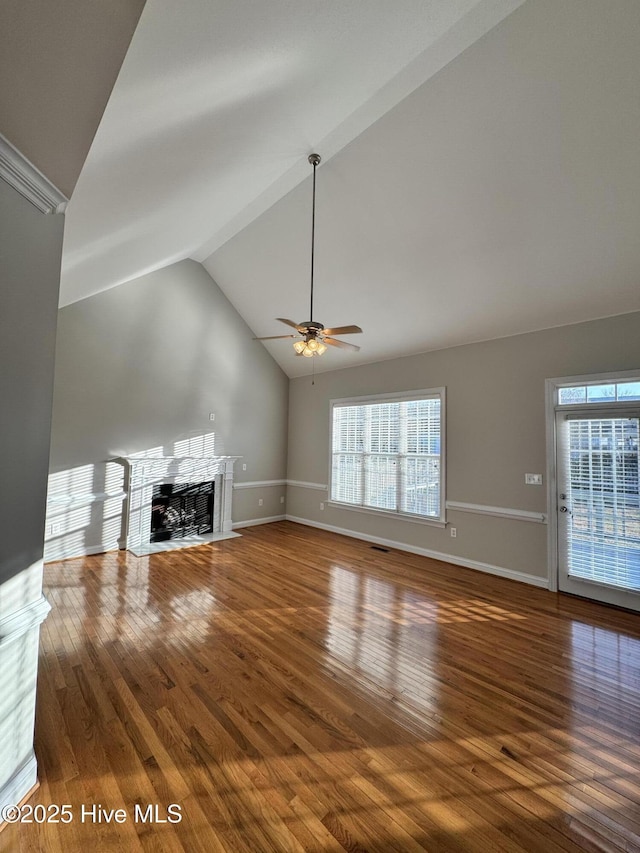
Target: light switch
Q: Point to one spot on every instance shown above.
(533, 479)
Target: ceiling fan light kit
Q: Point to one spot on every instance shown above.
(309, 348)
(313, 337)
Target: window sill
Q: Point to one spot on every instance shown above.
(395, 516)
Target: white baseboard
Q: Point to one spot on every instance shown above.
(500, 571)
(100, 549)
(53, 555)
(253, 522)
(18, 786)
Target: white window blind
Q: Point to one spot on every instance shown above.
(604, 524)
(387, 454)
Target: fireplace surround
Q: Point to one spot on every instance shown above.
(143, 475)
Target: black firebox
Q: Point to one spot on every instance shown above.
(181, 510)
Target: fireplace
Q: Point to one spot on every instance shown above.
(176, 501)
(178, 511)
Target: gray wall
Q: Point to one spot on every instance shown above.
(30, 250)
(495, 434)
(141, 366)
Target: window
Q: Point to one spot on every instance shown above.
(387, 454)
(601, 392)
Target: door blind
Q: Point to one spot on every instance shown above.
(604, 522)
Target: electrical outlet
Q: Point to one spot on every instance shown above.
(281, 499)
(454, 532)
(260, 501)
(321, 505)
(212, 416)
(244, 466)
(533, 479)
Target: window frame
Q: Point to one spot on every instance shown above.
(394, 397)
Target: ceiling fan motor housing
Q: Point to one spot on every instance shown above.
(310, 327)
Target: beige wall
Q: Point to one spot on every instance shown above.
(495, 434)
(142, 366)
(59, 60)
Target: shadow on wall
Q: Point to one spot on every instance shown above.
(85, 504)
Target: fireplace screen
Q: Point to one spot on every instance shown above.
(181, 510)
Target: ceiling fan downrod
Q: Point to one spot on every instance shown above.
(314, 159)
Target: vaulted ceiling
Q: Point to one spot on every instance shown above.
(480, 172)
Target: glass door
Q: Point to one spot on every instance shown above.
(598, 506)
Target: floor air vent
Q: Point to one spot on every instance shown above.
(378, 548)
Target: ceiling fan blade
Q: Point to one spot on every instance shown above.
(342, 330)
(275, 337)
(342, 344)
(288, 322)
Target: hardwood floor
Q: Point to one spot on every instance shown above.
(295, 690)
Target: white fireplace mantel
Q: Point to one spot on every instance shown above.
(142, 473)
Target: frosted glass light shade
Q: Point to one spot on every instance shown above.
(309, 348)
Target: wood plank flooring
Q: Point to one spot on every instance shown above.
(294, 690)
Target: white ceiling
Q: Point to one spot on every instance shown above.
(472, 186)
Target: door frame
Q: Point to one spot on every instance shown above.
(551, 396)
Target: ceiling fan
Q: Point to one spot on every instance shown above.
(312, 337)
